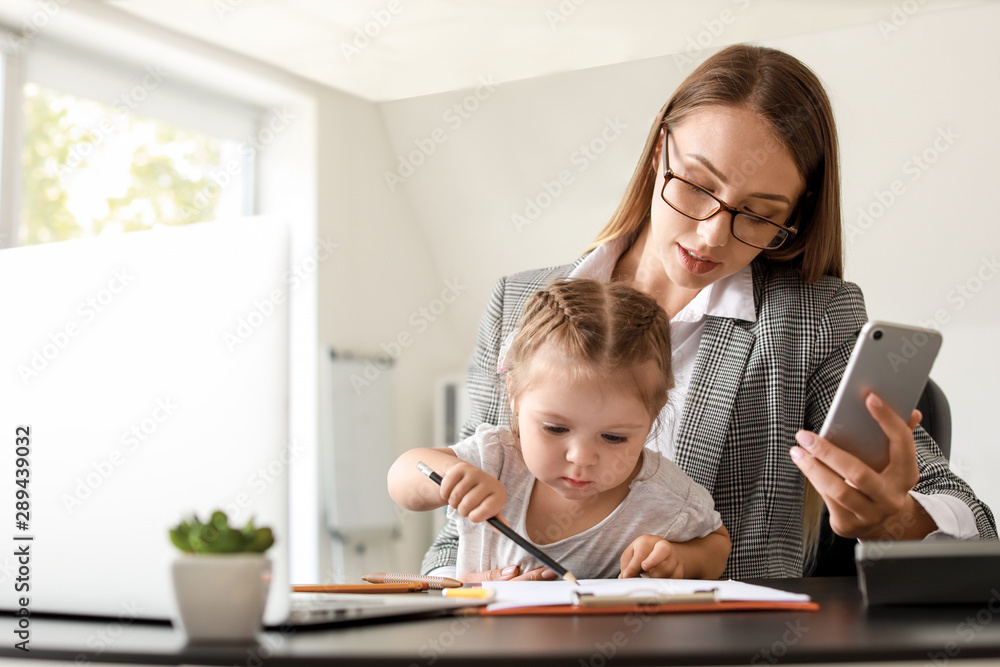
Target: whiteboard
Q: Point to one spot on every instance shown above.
(356, 442)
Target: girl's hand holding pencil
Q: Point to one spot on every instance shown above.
(497, 522)
(472, 492)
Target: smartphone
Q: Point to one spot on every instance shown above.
(892, 361)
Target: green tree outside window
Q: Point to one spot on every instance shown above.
(90, 168)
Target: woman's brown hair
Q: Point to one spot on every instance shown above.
(790, 99)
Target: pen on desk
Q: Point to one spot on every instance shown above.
(396, 578)
(413, 587)
(511, 533)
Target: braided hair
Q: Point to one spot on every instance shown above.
(608, 332)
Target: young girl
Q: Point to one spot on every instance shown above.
(587, 374)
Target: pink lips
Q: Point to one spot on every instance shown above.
(575, 483)
(698, 266)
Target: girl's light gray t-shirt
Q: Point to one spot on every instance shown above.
(662, 501)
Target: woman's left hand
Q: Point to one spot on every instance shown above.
(864, 503)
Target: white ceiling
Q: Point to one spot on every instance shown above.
(420, 47)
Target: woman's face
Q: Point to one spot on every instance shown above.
(730, 152)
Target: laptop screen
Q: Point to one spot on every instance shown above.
(149, 373)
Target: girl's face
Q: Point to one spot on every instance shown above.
(580, 437)
(730, 152)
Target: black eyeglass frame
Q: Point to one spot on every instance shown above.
(668, 174)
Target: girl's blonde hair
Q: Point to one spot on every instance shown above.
(609, 332)
(791, 101)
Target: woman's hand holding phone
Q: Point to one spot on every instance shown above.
(864, 462)
(864, 503)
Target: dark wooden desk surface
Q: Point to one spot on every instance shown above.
(843, 630)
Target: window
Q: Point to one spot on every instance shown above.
(90, 168)
(8, 129)
(113, 147)
(274, 135)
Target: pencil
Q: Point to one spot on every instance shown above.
(414, 587)
(511, 533)
(396, 578)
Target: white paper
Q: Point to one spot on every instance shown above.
(511, 594)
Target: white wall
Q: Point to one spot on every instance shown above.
(382, 274)
(450, 222)
(895, 94)
(922, 119)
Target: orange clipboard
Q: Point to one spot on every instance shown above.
(697, 607)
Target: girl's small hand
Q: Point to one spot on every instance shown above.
(472, 492)
(653, 556)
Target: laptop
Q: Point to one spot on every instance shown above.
(149, 373)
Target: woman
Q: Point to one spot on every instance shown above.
(732, 223)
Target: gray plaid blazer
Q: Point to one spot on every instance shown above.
(754, 384)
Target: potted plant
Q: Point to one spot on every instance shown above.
(221, 579)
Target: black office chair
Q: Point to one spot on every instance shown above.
(835, 557)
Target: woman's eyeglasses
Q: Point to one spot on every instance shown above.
(697, 203)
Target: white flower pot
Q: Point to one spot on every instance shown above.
(220, 597)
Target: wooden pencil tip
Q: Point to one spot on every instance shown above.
(569, 577)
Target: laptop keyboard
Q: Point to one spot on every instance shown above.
(308, 611)
(313, 609)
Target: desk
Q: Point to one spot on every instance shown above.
(843, 630)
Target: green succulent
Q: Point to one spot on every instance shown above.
(217, 537)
